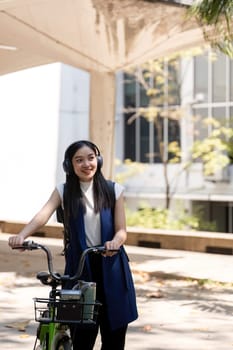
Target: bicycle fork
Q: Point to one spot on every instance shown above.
(49, 335)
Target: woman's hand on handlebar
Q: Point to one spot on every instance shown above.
(15, 241)
(112, 248)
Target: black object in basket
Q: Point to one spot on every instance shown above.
(69, 311)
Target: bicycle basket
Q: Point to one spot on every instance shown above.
(66, 311)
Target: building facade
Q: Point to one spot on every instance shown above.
(204, 89)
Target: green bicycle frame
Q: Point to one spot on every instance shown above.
(46, 336)
(51, 332)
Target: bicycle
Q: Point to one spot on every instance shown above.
(63, 306)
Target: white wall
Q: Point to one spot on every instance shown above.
(41, 112)
(73, 112)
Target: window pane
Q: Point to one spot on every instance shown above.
(144, 140)
(158, 138)
(158, 84)
(231, 80)
(173, 133)
(129, 91)
(173, 130)
(219, 78)
(219, 113)
(200, 129)
(129, 129)
(144, 99)
(129, 138)
(201, 76)
(174, 82)
(231, 117)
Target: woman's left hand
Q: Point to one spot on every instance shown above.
(112, 248)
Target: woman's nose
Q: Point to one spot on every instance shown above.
(86, 162)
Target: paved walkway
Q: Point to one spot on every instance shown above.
(180, 305)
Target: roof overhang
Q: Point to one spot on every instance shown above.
(100, 35)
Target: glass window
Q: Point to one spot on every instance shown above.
(219, 113)
(231, 80)
(174, 82)
(173, 130)
(200, 129)
(173, 133)
(144, 140)
(130, 138)
(158, 83)
(231, 118)
(129, 91)
(201, 76)
(158, 138)
(144, 99)
(138, 132)
(129, 129)
(219, 78)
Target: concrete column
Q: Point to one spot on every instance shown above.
(102, 117)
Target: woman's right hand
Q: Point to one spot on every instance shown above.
(39, 220)
(15, 241)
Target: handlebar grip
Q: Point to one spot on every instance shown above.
(29, 245)
(111, 250)
(102, 249)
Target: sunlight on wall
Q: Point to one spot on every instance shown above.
(29, 108)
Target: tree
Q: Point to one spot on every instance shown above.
(215, 150)
(215, 17)
(161, 81)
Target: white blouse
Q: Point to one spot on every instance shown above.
(91, 219)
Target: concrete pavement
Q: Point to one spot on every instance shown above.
(180, 305)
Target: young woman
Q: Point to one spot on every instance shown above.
(93, 214)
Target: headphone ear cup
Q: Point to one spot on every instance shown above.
(67, 166)
(99, 162)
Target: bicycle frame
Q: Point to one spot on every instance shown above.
(50, 334)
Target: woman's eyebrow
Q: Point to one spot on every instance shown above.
(78, 157)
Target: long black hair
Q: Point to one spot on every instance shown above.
(72, 198)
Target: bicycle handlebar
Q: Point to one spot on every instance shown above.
(31, 245)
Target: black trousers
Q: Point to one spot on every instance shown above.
(84, 339)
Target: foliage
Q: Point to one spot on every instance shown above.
(215, 150)
(203, 225)
(158, 218)
(127, 170)
(218, 15)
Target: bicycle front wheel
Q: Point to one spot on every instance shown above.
(64, 344)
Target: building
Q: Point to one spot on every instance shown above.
(206, 90)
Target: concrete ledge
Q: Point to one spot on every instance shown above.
(212, 242)
(199, 241)
(54, 230)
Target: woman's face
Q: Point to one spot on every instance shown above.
(84, 163)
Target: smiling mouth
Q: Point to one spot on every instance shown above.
(87, 171)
